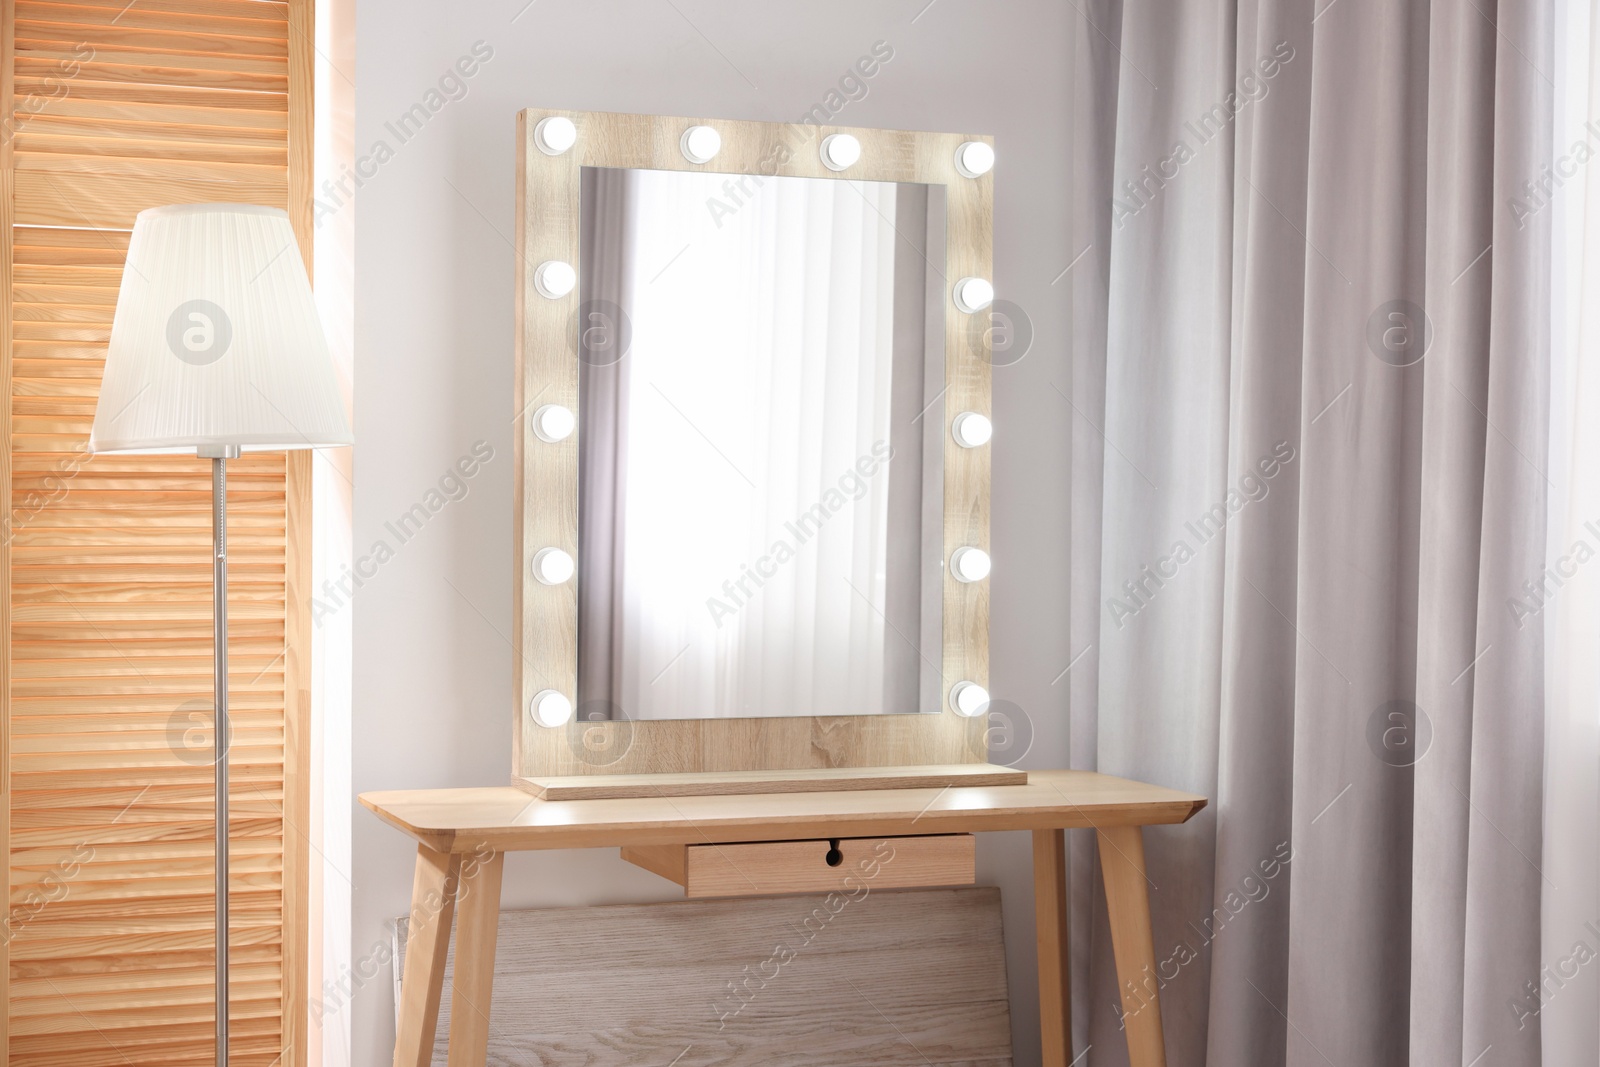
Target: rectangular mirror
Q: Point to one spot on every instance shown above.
(753, 365)
(760, 447)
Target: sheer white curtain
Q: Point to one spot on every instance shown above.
(1569, 1017)
(751, 567)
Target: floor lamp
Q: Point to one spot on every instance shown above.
(216, 349)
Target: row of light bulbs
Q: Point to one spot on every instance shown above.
(557, 134)
(551, 423)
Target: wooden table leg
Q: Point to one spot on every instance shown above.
(433, 901)
(1050, 931)
(1133, 944)
(472, 986)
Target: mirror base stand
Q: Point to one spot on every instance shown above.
(725, 783)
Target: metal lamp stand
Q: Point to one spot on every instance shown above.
(219, 456)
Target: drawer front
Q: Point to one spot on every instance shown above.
(846, 865)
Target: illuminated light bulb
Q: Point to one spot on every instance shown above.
(840, 151)
(550, 708)
(973, 294)
(552, 566)
(555, 135)
(969, 564)
(700, 144)
(971, 429)
(555, 279)
(974, 159)
(969, 699)
(552, 423)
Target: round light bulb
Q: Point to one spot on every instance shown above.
(555, 135)
(968, 699)
(971, 429)
(973, 294)
(555, 279)
(550, 708)
(974, 159)
(552, 423)
(552, 566)
(969, 564)
(700, 144)
(840, 150)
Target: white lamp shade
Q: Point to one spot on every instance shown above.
(216, 339)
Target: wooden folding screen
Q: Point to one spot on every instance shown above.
(111, 106)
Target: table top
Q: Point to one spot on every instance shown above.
(506, 819)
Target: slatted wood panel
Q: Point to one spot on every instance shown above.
(156, 102)
(114, 108)
(864, 976)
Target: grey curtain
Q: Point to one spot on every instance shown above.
(603, 396)
(1311, 362)
(913, 584)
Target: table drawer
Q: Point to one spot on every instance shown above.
(761, 868)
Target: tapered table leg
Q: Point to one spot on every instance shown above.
(433, 901)
(1050, 930)
(472, 985)
(1128, 906)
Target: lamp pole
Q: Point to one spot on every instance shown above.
(219, 456)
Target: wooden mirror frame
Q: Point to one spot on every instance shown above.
(692, 756)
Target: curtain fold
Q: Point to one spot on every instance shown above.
(1315, 451)
(604, 388)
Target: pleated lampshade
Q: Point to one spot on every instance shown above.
(216, 339)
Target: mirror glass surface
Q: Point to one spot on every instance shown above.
(760, 446)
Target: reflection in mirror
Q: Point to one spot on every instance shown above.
(760, 446)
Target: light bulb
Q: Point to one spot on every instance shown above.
(555, 279)
(840, 150)
(555, 135)
(700, 144)
(971, 429)
(552, 423)
(552, 566)
(969, 564)
(550, 708)
(974, 159)
(969, 699)
(973, 294)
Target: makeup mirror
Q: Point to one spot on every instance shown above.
(760, 445)
(752, 471)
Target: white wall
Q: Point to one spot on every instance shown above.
(434, 301)
(332, 508)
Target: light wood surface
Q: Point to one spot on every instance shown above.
(7, 279)
(107, 564)
(669, 861)
(433, 901)
(733, 783)
(1050, 936)
(1128, 908)
(892, 979)
(472, 984)
(764, 868)
(546, 475)
(507, 819)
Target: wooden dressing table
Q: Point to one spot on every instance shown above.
(463, 835)
(723, 778)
